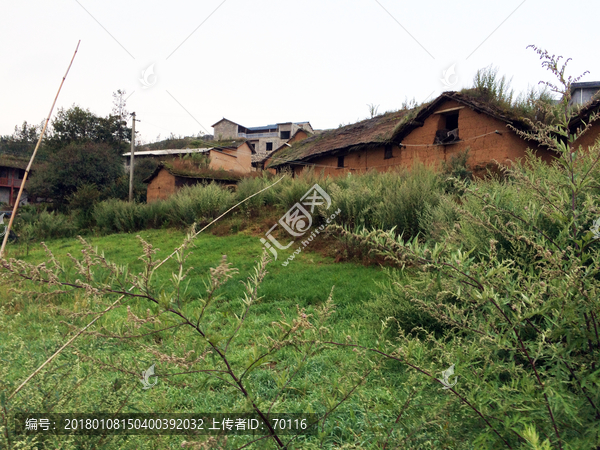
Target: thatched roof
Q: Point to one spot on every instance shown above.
(260, 158)
(350, 137)
(477, 104)
(389, 128)
(190, 170)
(591, 107)
(15, 162)
(191, 143)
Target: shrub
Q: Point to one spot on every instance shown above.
(395, 199)
(519, 300)
(118, 216)
(200, 203)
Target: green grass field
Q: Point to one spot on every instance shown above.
(102, 374)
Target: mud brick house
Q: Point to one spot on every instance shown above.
(262, 139)
(12, 170)
(593, 134)
(169, 177)
(430, 134)
(224, 165)
(236, 156)
(357, 147)
(261, 161)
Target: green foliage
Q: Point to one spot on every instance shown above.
(192, 204)
(396, 303)
(75, 165)
(293, 375)
(457, 166)
(31, 224)
(492, 88)
(387, 200)
(251, 185)
(200, 160)
(118, 216)
(22, 142)
(519, 304)
(198, 204)
(76, 125)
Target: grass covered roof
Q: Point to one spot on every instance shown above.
(375, 131)
(13, 161)
(392, 127)
(190, 169)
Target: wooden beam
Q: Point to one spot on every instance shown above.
(449, 110)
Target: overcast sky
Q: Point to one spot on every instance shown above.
(267, 61)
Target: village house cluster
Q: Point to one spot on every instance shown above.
(432, 134)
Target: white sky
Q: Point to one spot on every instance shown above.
(269, 61)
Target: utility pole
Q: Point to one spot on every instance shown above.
(131, 158)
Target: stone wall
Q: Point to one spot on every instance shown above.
(225, 130)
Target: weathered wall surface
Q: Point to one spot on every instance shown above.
(356, 162)
(476, 131)
(161, 187)
(235, 160)
(589, 138)
(261, 146)
(298, 136)
(225, 130)
(244, 156)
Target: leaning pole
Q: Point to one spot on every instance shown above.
(16, 206)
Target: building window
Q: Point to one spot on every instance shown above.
(285, 134)
(388, 152)
(447, 132)
(451, 121)
(340, 161)
(269, 146)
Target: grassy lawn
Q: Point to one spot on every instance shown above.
(32, 327)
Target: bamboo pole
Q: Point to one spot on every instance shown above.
(14, 212)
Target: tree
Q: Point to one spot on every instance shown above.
(78, 125)
(22, 141)
(77, 164)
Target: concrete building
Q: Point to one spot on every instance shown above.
(263, 140)
(262, 161)
(583, 92)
